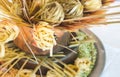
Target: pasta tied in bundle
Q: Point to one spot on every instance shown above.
(52, 12)
(72, 8)
(92, 5)
(8, 32)
(44, 37)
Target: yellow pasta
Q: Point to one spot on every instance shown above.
(44, 37)
(8, 32)
(92, 5)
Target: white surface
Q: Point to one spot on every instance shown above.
(110, 37)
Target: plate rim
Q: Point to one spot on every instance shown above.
(101, 55)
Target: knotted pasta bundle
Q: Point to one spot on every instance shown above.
(92, 5)
(8, 32)
(44, 37)
(52, 13)
(72, 8)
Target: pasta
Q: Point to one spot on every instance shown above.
(44, 37)
(51, 74)
(26, 73)
(55, 12)
(92, 5)
(72, 8)
(11, 73)
(80, 68)
(52, 12)
(8, 32)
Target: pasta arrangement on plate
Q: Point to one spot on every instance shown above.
(44, 38)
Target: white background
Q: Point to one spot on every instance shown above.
(110, 37)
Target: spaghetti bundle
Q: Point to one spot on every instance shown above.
(44, 36)
(8, 32)
(92, 5)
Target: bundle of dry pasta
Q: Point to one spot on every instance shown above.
(44, 37)
(8, 32)
(68, 15)
(72, 8)
(92, 5)
(54, 12)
